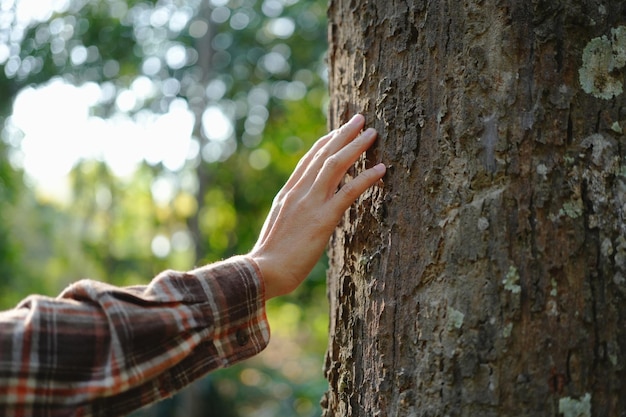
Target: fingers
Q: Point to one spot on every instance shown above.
(328, 145)
(311, 163)
(304, 163)
(353, 189)
(346, 133)
(336, 141)
(335, 166)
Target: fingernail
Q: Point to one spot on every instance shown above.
(380, 168)
(369, 132)
(356, 119)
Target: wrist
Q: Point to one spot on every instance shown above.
(266, 275)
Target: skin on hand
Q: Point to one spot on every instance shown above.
(308, 208)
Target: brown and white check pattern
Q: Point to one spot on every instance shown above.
(100, 350)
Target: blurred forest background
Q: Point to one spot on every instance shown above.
(139, 135)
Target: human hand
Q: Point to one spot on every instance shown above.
(307, 209)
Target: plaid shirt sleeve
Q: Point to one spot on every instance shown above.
(100, 350)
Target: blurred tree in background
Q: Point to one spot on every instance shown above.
(246, 80)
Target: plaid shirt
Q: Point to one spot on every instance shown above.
(100, 350)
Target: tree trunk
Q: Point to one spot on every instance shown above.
(487, 276)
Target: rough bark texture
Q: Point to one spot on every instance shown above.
(487, 276)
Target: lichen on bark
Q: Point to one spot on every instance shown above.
(602, 62)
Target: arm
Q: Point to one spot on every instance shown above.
(104, 350)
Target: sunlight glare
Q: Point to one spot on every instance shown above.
(39, 10)
(58, 131)
(216, 125)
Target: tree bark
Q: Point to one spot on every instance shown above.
(487, 276)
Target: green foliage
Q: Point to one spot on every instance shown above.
(8, 251)
(260, 64)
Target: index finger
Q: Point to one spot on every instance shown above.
(335, 167)
(337, 141)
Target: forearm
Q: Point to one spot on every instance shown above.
(108, 350)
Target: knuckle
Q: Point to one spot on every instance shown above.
(288, 197)
(285, 197)
(349, 190)
(323, 153)
(332, 162)
(279, 198)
